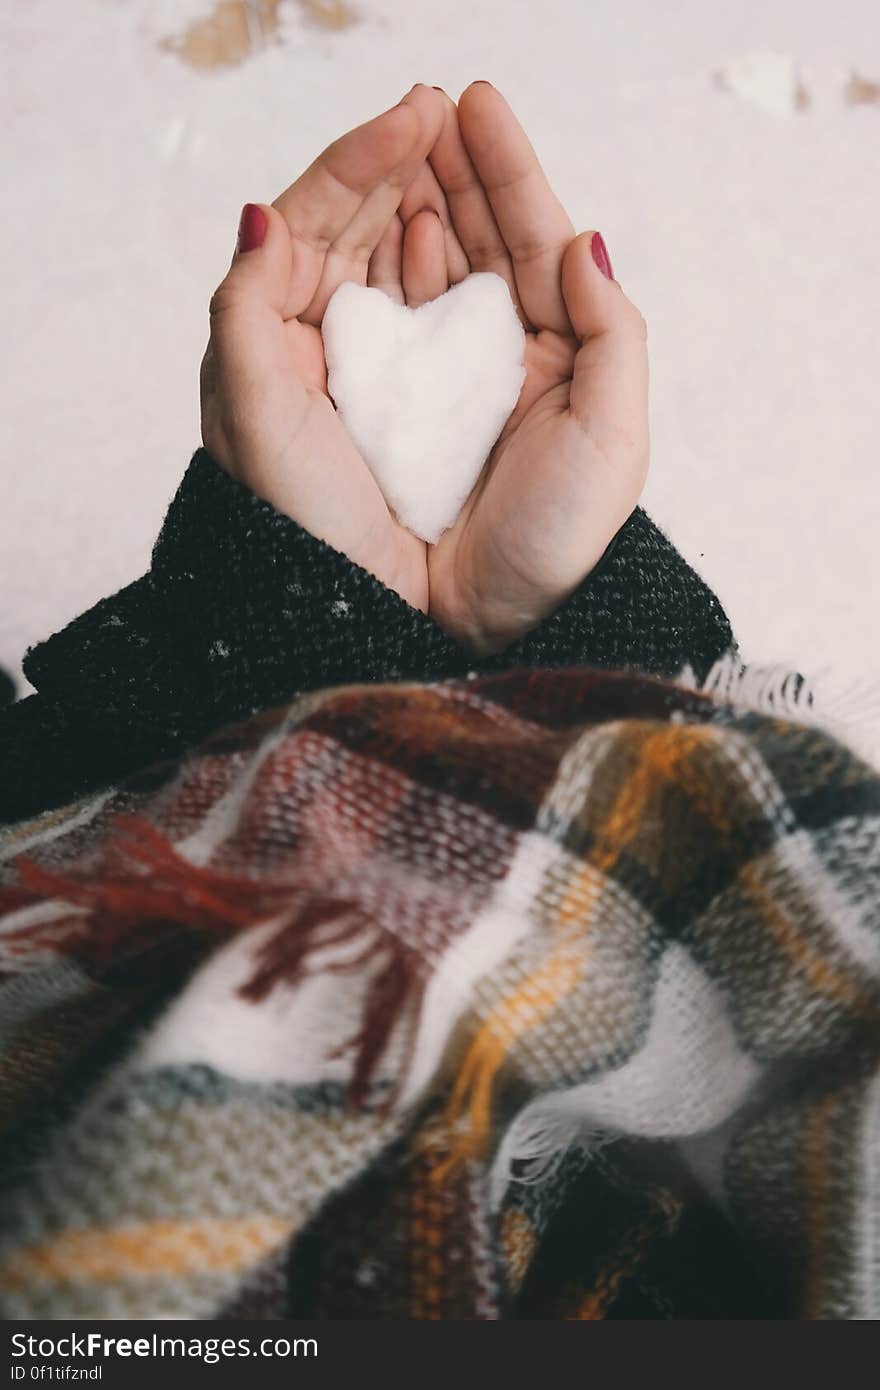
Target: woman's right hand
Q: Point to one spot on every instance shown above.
(266, 415)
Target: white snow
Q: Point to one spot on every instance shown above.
(748, 239)
(424, 393)
(769, 81)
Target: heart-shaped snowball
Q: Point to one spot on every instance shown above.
(424, 393)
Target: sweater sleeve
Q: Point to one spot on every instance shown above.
(642, 608)
(243, 609)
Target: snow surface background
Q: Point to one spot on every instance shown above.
(745, 227)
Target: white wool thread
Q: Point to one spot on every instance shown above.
(849, 711)
(686, 1076)
(535, 1144)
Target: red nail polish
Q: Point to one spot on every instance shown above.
(601, 256)
(252, 227)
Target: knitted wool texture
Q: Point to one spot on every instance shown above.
(537, 995)
(242, 609)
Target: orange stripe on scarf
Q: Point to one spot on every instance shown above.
(662, 755)
(822, 975)
(816, 1213)
(151, 1248)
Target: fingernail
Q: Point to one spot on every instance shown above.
(439, 89)
(601, 256)
(481, 82)
(252, 227)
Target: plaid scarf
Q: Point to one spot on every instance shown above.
(548, 995)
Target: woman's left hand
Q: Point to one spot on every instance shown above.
(572, 459)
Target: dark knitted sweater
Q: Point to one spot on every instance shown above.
(242, 609)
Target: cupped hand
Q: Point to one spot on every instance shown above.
(570, 463)
(266, 415)
(411, 203)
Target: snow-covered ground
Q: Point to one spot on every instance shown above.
(727, 153)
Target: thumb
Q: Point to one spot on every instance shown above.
(250, 388)
(254, 291)
(609, 390)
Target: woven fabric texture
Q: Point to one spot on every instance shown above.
(538, 995)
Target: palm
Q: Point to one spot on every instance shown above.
(571, 459)
(499, 519)
(498, 543)
(367, 527)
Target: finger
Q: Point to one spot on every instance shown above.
(425, 192)
(326, 199)
(609, 390)
(535, 227)
(385, 270)
(348, 255)
(248, 327)
(425, 276)
(371, 218)
(469, 205)
(254, 288)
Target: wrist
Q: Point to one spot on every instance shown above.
(486, 622)
(483, 625)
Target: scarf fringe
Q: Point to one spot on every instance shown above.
(849, 711)
(535, 1144)
(142, 889)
